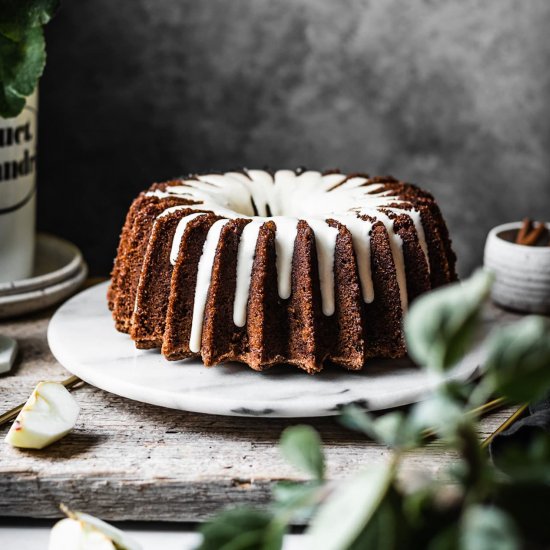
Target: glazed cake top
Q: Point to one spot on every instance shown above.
(285, 197)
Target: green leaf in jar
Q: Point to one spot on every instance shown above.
(17, 17)
(21, 65)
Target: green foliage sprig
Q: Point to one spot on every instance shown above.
(481, 509)
(22, 50)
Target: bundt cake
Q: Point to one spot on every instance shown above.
(297, 267)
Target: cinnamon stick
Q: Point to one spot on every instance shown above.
(524, 230)
(530, 234)
(533, 237)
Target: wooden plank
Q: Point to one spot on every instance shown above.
(131, 461)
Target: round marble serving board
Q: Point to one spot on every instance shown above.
(83, 339)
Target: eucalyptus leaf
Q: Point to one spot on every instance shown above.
(348, 511)
(291, 495)
(518, 363)
(441, 325)
(439, 413)
(18, 16)
(297, 501)
(242, 529)
(21, 65)
(286, 493)
(387, 530)
(391, 429)
(488, 528)
(359, 420)
(301, 446)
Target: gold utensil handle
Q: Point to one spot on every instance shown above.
(486, 408)
(506, 424)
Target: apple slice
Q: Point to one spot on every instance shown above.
(49, 414)
(86, 532)
(70, 534)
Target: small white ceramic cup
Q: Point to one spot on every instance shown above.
(522, 273)
(17, 192)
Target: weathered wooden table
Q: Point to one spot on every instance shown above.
(131, 461)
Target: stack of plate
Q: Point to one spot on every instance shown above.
(59, 269)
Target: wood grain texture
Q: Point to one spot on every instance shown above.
(131, 461)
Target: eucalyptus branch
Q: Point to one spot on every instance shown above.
(475, 459)
(370, 510)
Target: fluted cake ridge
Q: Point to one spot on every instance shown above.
(299, 267)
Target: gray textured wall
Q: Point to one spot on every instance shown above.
(452, 94)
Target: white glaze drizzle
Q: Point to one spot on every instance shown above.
(288, 197)
(245, 261)
(417, 220)
(396, 245)
(325, 244)
(360, 234)
(178, 235)
(204, 275)
(285, 236)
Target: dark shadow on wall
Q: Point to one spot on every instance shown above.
(451, 96)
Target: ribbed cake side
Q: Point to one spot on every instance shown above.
(200, 281)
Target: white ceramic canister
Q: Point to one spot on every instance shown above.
(522, 273)
(18, 192)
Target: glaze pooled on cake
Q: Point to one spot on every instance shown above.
(299, 222)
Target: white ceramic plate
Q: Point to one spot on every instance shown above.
(55, 260)
(27, 302)
(83, 339)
